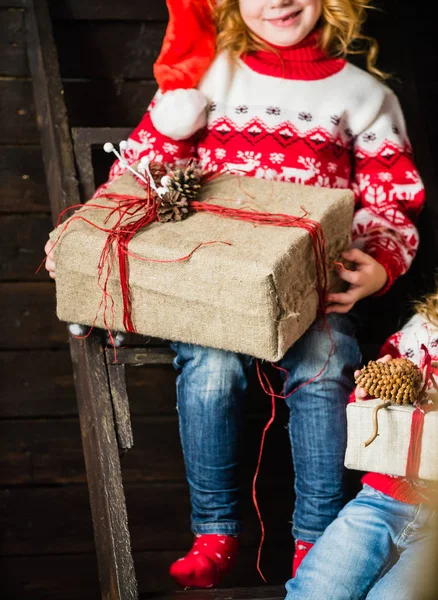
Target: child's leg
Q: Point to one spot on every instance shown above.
(413, 574)
(210, 390)
(356, 550)
(317, 427)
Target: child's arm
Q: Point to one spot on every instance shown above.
(390, 194)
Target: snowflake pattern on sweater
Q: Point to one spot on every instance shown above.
(312, 120)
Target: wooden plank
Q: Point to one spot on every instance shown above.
(17, 113)
(27, 316)
(104, 478)
(107, 104)
(108, 50)
(258, 593)
(40, 384)
(136, 10)
(90, 104)
(11, 3)
(85, 139)
(45, 577)
(48, 451)
(23, 186)
(13, 59)
(23, 239)
(56, 519)
(142, 356)
(50, 109)
(120, 402)
(36, 384)
(50, 577)
(86, 49)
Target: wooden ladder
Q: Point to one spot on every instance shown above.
(100, 383)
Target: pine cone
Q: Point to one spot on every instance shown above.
(398, 380)
(157, 170)
(173, 207)
(186, 181)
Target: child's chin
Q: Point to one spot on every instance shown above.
(283, 36)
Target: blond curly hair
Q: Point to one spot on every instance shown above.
(428, 306)
(340, 23)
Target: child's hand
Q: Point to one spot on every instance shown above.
(368, 277)
(50, 262)
(359, 392)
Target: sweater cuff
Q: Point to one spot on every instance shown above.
(392, 267)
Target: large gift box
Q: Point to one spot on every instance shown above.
(389, 452)
(254, 294)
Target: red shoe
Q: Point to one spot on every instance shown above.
(210, 558)
(301, 549)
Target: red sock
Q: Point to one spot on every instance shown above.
(207, 562)
(301, 549)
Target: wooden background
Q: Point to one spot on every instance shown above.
(106, 51)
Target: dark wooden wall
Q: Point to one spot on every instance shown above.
(106, 51)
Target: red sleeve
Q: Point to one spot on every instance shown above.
(389, 190)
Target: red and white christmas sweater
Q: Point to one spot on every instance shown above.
(304, 117)
(407, 343)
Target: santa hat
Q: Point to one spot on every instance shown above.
(188, 50)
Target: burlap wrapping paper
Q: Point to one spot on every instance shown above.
(256, 296)
(388, 453)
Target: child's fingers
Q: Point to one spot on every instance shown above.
(384, 359)
(350, 296)
(48, 247)
(360, 393)
(353, 277)
(357, 256)
(339, 308)
(50, 264)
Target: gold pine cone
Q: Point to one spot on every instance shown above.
(398, 380)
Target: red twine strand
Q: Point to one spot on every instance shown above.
(417, 423)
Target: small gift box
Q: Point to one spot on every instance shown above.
(407, 441)
(247, 288)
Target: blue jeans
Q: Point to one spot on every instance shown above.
(375, 549)
(210, 392)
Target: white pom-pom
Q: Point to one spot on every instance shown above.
(118, 338)
(166, 181)
(108, 147)
(144, 162)
(76, 329)
(123, 145)
(178, 114)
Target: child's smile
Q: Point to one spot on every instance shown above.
(285, 20)
(280, 22)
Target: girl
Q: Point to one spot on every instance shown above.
(381, 541)
(279, 100)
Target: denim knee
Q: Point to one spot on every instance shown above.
(310, 353)
(210, 371)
